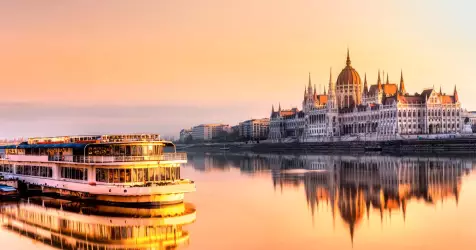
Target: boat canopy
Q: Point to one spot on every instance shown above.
(59, 145)
(68, 145)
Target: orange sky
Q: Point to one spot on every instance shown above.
(240, 55)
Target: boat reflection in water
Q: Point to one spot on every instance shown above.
(70, 225)
(355, 186)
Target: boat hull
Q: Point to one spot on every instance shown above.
(111, 194)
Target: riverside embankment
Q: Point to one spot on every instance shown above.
(461, 146)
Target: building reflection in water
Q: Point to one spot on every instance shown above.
(69, 225)
(355, 186)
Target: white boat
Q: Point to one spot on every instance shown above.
(108, 168)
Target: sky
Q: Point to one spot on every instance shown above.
(81, 67)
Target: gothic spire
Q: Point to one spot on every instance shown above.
(402, 83)
(379, 82)
(348, 58)
(366, 88)
(279, 109)
(331, 86)
(387, 79)
(272, 109)
(455, 95)
(309, 87)
(315, 89)
(325, 90)
(440, 91)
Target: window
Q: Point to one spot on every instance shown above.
(137, 175)
(6, 168)
(33, 171)
(74, 173)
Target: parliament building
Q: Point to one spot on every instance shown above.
(354, 110)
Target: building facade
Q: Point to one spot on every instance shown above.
(185, 134)
(206, 132)
(355, 110)
(254, 129)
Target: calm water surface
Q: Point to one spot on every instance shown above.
(280, 202)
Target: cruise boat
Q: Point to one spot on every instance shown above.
(69, 225)
(121, 169)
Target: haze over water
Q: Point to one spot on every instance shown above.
(305, 202)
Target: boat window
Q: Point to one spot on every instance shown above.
(137, 175)
(128, 175)
(32, 170)
(8, 168)
(74, 173)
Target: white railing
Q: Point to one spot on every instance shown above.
(112, 159)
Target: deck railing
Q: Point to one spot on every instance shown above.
(123, 158)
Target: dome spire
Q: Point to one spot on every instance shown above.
(348, 58)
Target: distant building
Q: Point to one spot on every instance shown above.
(185, 134)
(235, 129)
(471, 115)
(206, 132)
(254, 129)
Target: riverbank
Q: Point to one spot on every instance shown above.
(454, 146)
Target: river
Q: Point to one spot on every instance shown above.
(250, 201)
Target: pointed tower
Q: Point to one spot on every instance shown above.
(314, 96)
(279, 108)
(325, 90)
(309, 87)
(272, 109)
(331, 97)
(441, 93)
(366, 87)
(379, 82)
(387, 79)
(455, 95)
(402, 84)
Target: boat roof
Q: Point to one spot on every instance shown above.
(6, 188)
(25, 145)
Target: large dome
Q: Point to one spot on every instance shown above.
(348, 75)
(348, 86)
